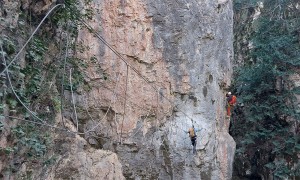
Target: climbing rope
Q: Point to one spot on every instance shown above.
(73, 100)
(86, 109)
(37, 28)
(63, 77)
(124, 103)
(12, 88)
(32, 113)
(51, 126)
(43, 123)
(40, 123)
(129, 99)
(157, 112)
(141, 125)
(125, 61)
(114, 93)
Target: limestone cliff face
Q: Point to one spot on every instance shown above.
(74, 159)
(179, 57)
(183, 49)
(81, 162)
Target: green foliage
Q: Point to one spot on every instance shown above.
(296, 90)
(240, 4)
(33, 141)
(2, 107)
(7, 150)
(36, 50)
(1, 124)
(77, 66)
(12, 103)
(73, 11)
(56, 103)
(37, 80)
(263, 87)
(8, 45)
(50, 161)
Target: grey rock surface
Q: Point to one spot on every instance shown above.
(185, 50)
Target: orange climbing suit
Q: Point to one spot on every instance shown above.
(231, 102)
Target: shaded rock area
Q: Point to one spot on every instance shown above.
(79, 161)
(69, 156)
(72, 158)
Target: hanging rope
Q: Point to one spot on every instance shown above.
(129, 99)
(86, 109)
(73, 100)
(134, 69)
(125, 61)
(12, 88)
(113, 96)
(39, 123)
(141, 125)
(51, 126)
(124, 103)
(63, 78)
(33, 114)
(157, 113)
(29, 39)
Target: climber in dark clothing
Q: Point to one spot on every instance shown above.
(192, 133)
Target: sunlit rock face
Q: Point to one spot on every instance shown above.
(178, 63)
(176, 66)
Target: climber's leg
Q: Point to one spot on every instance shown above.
(194, 142)
(228, 111)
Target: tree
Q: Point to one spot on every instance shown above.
(269, 114)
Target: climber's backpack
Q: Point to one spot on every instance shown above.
(233, 100)
(192, 132)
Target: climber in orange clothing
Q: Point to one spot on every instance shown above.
(231, 101)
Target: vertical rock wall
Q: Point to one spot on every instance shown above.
(182, 49)
(178, 56)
